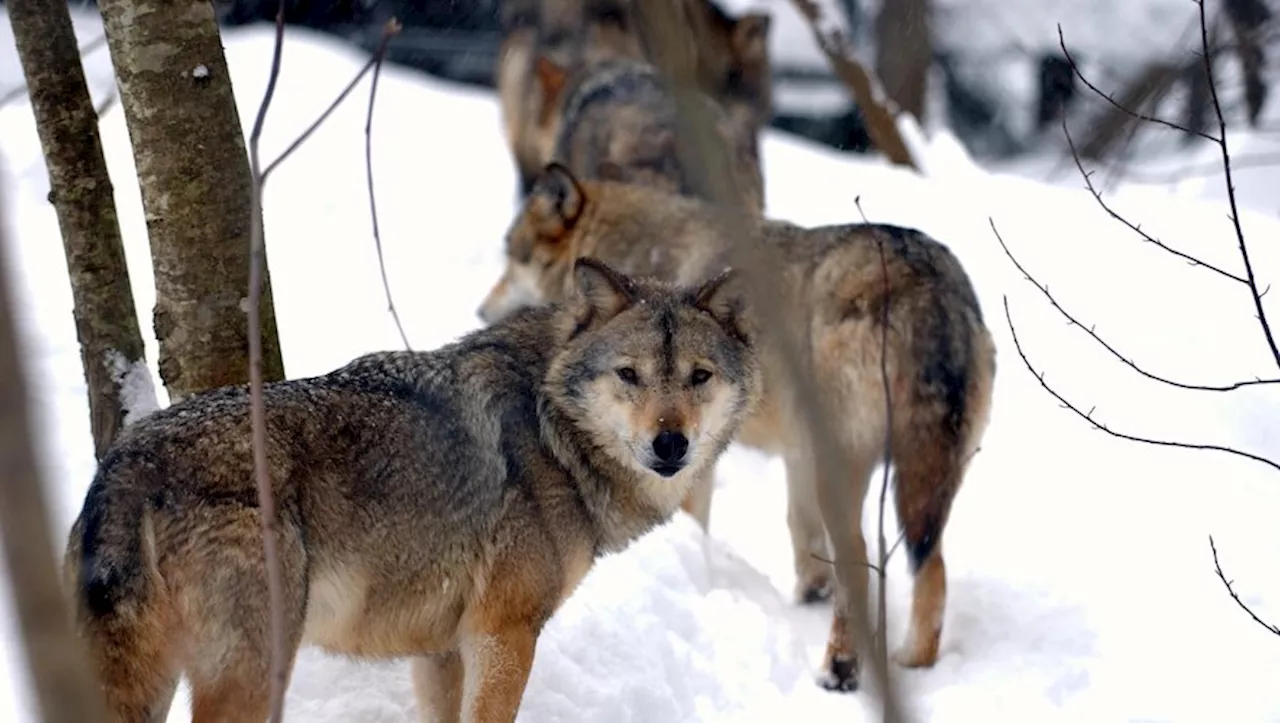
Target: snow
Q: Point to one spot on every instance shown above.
(1081, 586)
(137, 388)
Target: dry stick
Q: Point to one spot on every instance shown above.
(703, 155)
(882, 127)
(1088, 416)
(266, 500)
(1062, 43)
(1231, 189)
(1073, 321)
(392, 28)
(1097, 196)
(882, 570)
(257, 409)
(1273, 629)
(66, 689)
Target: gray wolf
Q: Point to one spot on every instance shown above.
(940, 356)
(616, 120)
(438, 506)
(545, 41)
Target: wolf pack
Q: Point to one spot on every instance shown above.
(439, 506)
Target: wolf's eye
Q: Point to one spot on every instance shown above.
(628, 375)
(699, 377)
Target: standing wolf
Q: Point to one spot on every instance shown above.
(548, 41)
(940, 357)
(437, 505)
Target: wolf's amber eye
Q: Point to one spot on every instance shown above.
(699, 377)
(628, 375)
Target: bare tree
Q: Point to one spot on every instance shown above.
(56, 659)
(197, 190)
(904, 53)
(80, 189)
(1244, 278)
(878, 111)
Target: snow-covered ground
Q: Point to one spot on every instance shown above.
(1081, 582)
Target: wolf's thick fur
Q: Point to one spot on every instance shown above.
(437, 505)
(547, 41)
(617, 121)
(940, 357)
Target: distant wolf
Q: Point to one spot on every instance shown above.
(437, 505)
(940, 358)
(546, 41)
(616, 121)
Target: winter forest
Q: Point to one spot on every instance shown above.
(530, 361)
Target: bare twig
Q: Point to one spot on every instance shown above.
(876, 108)
(1088, 416)
(882, 629)
(1088, 181)
(1273, 629)
(1231, 188)
(279, 672)
(702, 152)
(21, 90)
(1112, 350)
(266, 499)
(393, 27)
(1062, 43)
(56, 658)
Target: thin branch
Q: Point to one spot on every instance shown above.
(266, 499)
(703, 153)
(393, 27)
(1088, 416)
(1231, 188)
(1062, 43)
(1273, 629)
(881, 622)
(1103, 343)
(1097, 195)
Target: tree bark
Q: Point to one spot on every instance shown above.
(111, 346)
(904, 53)
(193, 170)
(56, 659)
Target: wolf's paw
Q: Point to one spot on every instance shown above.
(814, 588)
(839, 674)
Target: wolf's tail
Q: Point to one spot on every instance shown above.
(109, 559)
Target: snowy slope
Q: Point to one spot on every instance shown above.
(1081, 586)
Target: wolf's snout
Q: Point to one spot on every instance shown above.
(670, 448)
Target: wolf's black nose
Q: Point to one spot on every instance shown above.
(670, 446)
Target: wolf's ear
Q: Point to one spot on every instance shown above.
(751, 37)
(601, 292)
(721, 297)
(555, 201)
(551, 79)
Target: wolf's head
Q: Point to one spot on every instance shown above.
(654, 377)
(562, 219)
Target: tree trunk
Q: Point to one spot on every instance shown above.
(80, 189)
(56, 659)
(193, 170)
(904, 53)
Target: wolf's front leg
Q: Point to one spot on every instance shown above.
(437, 684)
(495, 670)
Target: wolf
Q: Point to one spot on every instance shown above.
(437, 505)
(617, 121)
(940, 358)
(546, 41)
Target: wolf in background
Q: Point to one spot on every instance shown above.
(434, 505)
(548, 41)
(940, 358)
